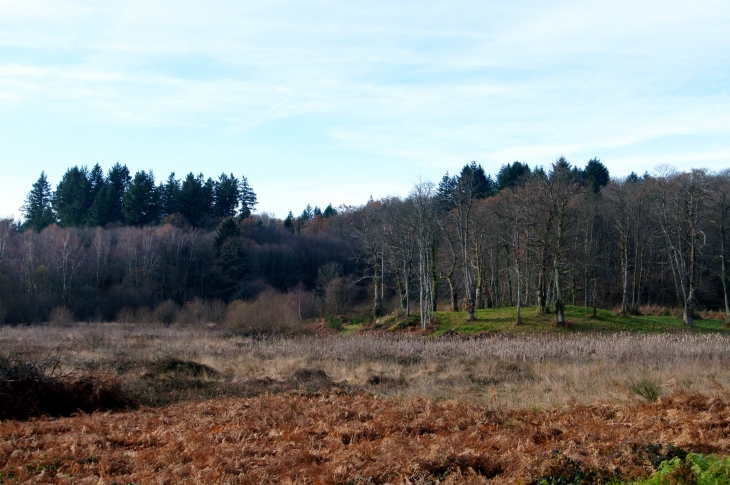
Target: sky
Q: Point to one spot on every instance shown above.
(327, 101)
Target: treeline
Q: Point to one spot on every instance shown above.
(553, 237)
(90, 198)
(102, 273)
(544, 237)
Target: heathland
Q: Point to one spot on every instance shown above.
(461, 402)
(546, 326)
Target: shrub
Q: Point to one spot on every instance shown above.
(126, 315)
(166, 312)
(199, 311)
(61, 317)
(269, 313)
(334, 323)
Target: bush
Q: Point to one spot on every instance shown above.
(269, 313)
(166, 312)
(199, 311)
(334, 323)
(61, 317)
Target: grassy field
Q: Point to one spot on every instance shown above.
(510, 405)
(580, 319)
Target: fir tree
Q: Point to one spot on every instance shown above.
(141, 202)
(118, 179)
(227, 194)
(37, 208)
(170, 196)
(228, 229)
(248, 199)
(196, 199)
(329, 211)
(72, 198)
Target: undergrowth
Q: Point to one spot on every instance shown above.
(694, 469)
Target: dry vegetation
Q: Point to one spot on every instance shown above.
(342, 439)
(370, 407)
(158, 364)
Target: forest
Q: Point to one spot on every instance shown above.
(116, 247)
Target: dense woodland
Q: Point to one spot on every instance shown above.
(104, 246)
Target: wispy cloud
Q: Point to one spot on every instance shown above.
(291, 90)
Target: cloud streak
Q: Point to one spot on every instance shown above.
(406, 89)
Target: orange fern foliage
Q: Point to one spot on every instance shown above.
(338, 439)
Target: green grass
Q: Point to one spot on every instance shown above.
(351, 328)
(580, 319)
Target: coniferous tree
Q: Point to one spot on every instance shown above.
(100, 212)
(96, 179)
(510, 174)
(248, 199)
(37, 208)
(196, 199)
(72, 198)
(170, 196)
(289, 222)
(227, 229)
(226, 196)
(141, 202)
(596, 175)
(118, 179)
(329, 211)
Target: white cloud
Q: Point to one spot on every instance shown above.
(408, 84)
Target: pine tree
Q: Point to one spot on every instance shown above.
(196, 199)
(170, 196)
(227, 194)
(100, 213)
(248, 199)
(510, 175)
(329, 211)
(118, 179)
(228, 229)
(37, 208)
(141, 202)
(72, 198)
(289, 222)
(96, 179)
(596, 175)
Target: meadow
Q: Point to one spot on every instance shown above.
(470, 402)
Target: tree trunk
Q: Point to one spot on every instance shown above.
(541, 291)
(724, 279)
(434, 280)
(559, 305)
(689, 308)
(377, 301)
(625, 299)
(454, 296)
(519, 295)
(406, 280)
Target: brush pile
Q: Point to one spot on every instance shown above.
(33, 389)
(331, 438)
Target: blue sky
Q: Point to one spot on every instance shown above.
(329, 101)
